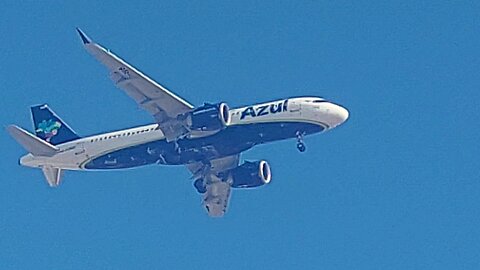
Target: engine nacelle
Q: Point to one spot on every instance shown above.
(208, 118)
(251, 174)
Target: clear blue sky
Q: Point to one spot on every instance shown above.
(396, 187)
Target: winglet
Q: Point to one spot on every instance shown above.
(85, 38)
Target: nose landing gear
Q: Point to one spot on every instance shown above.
(300, 145)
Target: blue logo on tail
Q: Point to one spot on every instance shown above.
(49, 128)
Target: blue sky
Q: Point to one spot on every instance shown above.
(396, 187)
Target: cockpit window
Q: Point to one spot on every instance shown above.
(319, 101)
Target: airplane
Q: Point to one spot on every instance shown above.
(207, 139)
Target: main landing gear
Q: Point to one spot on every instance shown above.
(300, 145)
(200, 186)
(202, 176)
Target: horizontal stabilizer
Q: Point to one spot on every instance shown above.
(31, 143)
(53, 175)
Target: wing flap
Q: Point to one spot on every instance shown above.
(216, 198)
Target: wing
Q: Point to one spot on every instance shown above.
(215, 187)
(148, 94)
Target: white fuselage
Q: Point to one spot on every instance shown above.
(73, 155)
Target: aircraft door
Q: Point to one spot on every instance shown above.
(294, 107)
(80, 152)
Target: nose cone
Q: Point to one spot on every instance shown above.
(336, 115)
(342, 114)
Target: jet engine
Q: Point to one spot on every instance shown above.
(251, 174)
(208, 118)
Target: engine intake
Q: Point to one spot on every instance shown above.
(251, 174)
(209, 117)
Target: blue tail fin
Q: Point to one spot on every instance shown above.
(49, 127)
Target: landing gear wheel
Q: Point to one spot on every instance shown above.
(301, 147)
(199, 186)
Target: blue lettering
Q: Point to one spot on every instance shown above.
(262, 110)
(275, 108)
(248, 111)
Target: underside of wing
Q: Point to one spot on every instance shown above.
(216, 178)
(215, 187)
(148, 94)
